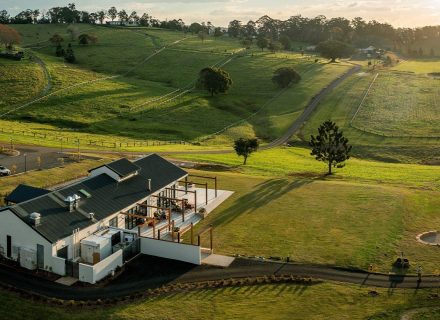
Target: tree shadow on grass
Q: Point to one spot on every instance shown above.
(258, 197)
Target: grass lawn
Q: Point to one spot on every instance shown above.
(401, 104)
(320, 301)
(368, 212)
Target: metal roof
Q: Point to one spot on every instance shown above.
(24, 193)
(107, 197)
(122, 167)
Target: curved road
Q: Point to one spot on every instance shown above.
(137, 278)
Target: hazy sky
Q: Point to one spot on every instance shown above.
(220, 12)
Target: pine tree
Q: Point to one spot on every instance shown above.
(330, 146)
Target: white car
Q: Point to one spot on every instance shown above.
(4, 171)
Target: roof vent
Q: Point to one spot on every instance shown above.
(73, 202)
(149, 185)
(92, 215)
(35, 218)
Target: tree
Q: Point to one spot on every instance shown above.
(4, 17)
(145, 20)
(262, 42)
(202, 35)
(218, 32)
(330, 146)
(333, 49)
(123, 16)
(69, 56)
(235, 28)
(246, 43)
(85, 39)
(101, 16)
(56, 39)
(8, 36)
(134, 18)
(245, 147)
(59, 51)
(215, 80)
(112, 13)
(195, 28)
(283, 77)
(274, 46)
(285, 41)
(73, 31)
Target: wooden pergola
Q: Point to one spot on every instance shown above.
(182, 201)
(138, 216)
(186, 182)
(143, 205)
(206, 177)
(190, 191)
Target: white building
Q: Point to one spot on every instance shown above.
(84, 229)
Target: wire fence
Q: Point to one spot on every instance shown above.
(90, 142)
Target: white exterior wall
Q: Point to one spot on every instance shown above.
(101, 224)
(23, 236)
(93, 274)
(59, 266)
(171, 250)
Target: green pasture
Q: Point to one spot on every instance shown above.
(119, 81)
(402, 105)
(341, 105)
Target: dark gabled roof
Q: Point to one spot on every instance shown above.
(107, 197)
(24, 193)
(122, 167)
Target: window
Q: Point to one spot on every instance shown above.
(113, 222)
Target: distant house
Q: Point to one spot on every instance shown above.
(123, 23)
(89, 228)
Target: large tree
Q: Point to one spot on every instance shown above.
(262, 42)
(334, 49)
(283, 77)
(215, 80)
(112, 13)
(8, 36)
(56, 39)
(330, 146)
(245, 147)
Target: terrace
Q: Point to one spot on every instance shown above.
(170, 214)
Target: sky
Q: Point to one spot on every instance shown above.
(400, 13)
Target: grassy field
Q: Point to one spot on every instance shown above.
(341, 105)
(131, 100)
(401, 104)
(22, 79)
(366, 213)
(321, 301)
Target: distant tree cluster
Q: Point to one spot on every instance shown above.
(356, 32)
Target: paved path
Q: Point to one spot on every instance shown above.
(136, 278)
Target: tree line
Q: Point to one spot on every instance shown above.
(69, 14)
(357, 32)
